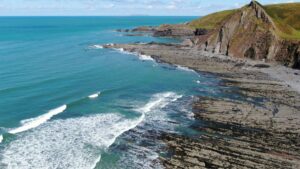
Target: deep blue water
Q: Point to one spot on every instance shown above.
(49, 67)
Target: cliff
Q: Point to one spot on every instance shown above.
(251, 32)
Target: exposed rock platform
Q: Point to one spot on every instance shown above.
(257, 124)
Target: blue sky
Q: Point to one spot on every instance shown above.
(121, 7)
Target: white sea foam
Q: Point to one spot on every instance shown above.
(93, 96)
(140, 56)
(145, 57)
(159, 100)
(198, 81)
(35, 122)
(70, 143)
(98, 46)
(1, 138)
(121, 49)
(184, 68)
(156, 119)
(110, 44)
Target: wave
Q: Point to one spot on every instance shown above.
(70, 143)
(77, 142)
(35, 122)
(143, 153)
(98, 46)
(140, 56)
(145, 57)
(159, 100)
(1, 138)
(93, 96)
(184, 68)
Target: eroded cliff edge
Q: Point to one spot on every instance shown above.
(256, 121)
(250, 32)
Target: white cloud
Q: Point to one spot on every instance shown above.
(149, 7)
(172, 6)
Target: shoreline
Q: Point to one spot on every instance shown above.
(258, 128)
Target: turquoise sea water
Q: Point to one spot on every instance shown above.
(66, 103)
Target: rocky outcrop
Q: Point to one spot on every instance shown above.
(167, 30)
(174, 30)
(250, 33)
(252, 121)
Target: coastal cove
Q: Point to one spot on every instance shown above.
(254, 120)
(116, 92)
(66, 102)
(248, 117)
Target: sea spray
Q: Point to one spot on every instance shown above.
(95, 95)
(143, 153)
(98, 46)
(145, 57)
(70, 143)
(140, 56)
(35, 122)
(184, 68)
(159, 100)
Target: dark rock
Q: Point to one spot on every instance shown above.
(200, 31)
(249, 33)
(261, 66)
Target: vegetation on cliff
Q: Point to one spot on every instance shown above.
(285, 16)
(287, 19)
(212, 20)
(270, 33)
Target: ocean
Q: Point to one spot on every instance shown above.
(67, 103)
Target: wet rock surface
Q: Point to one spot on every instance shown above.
(255, 123)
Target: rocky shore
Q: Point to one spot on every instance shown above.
(182, 31)
(255, 122)
(257, 125)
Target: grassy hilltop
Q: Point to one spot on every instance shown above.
(285, 16)
(287, 19)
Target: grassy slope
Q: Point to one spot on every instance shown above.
(212, 20)
(285, 16)
(287, 19)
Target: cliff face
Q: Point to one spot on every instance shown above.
(250, 33)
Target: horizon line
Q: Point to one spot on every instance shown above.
(100, 15)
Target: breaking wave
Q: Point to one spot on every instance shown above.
(35, 122)
(95, 95)
(140, 56)
(76, 142)
(97, 47)
(70, 143)
(184, 68)
(159, 100)
(144, 153)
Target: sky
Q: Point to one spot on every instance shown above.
(121, 7)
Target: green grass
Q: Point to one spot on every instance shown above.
(286, 18)
(212, 20)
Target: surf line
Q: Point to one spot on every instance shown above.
(31, 123)
(35, 122)
(142, 57)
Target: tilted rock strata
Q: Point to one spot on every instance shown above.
(250, 33)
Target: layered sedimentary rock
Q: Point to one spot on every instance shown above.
(254, 123)
(251, 33)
